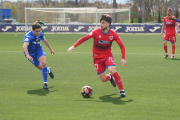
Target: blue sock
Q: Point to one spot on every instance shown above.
(44, 73)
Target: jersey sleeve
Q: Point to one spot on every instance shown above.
(178, 20)
(27, 39)
(42, 36)
(121, 45)
(164, 20)
(83, 39)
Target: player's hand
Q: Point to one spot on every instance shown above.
(72, 48)
(123, 62)
(29, 58)
(161, 34)
(52, 52)
(171, 18)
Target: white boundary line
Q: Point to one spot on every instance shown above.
(91, 53)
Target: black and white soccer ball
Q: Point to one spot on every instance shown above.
(86, 91)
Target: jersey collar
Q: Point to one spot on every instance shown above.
(104, 33)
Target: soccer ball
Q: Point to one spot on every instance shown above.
(86, 91)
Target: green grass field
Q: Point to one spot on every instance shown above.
(151, 82)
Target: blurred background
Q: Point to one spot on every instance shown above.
(141, 11)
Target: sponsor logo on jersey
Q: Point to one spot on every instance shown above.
(99, 36)
(116, 28)
(7, 28)
(60, 28)
(155, 28)
(103, 42)
(134, 29)
(36, 42)
(168, 23)
(22, 28)
(79, 28)
(110, 37)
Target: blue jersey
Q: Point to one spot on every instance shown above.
(34, 41)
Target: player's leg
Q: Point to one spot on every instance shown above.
(165, 39)
(165, 48)
(44, 69)
(112, 70)
(110, 64)
(173, 40)
(101, 70)
(41, 64)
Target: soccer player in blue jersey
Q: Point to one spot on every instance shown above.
(34, 52)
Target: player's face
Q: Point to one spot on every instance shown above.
(169, 13)
(37, 32)
(38, 21)
(104, 25)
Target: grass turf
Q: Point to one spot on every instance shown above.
(151, 82)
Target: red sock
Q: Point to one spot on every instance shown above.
(165, 49)
(118, 80)
(107, 78)
(173, 49)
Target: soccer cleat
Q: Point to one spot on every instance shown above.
(166, 55)
(45, 86)
(172, 56)
(50, 73)
(112, 80)
(122, 93)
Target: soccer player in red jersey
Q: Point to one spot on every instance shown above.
(102, 55)
(170, 32)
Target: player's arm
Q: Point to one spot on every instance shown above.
(42, 23)
(162, 29)
(177, 28)
(25, 47)
(121, 45)
(80, 41)
(47, 44)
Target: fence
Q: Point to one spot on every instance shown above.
(66, 28)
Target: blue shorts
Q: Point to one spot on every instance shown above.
(36, 56)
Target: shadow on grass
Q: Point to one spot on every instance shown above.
(41, 92)
(109, 99)
(173, 59)
(116, 100)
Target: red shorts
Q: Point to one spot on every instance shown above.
(171, 38)
(101, 64)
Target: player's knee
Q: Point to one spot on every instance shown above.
(112, 71)
(103, 79)
(164, 43)
(43, 63)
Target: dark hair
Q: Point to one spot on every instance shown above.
(36, 26)
(170, 9)
(106, 17)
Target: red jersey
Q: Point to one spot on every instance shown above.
(102, 42)
(169, 26)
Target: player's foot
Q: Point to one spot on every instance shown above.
(172, 56)
(50, 73)
(45, 86)
(122, 93)
(112, 80)
(166, 55)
